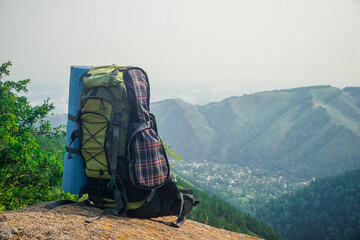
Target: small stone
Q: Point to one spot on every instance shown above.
(2, 218)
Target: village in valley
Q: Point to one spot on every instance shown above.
(235, 183)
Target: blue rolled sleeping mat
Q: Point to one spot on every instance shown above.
(74, 176)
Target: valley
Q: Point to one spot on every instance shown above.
(253, 148)
(242, 187)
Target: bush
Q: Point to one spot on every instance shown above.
(28, 174)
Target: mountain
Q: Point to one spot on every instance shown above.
(299, 133)
(327, 209)
(68, 222)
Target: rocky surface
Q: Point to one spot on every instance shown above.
(68, 222)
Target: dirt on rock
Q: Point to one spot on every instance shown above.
(68, 222)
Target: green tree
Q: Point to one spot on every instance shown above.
(326, 209)
(28, 174)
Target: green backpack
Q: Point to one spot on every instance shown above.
(126, 165)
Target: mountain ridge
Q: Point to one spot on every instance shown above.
(284, 127)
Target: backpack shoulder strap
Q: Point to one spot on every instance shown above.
(115, 144)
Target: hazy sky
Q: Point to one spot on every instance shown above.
(198, 50)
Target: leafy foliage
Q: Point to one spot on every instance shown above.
(171, 154)
(28, 174)
(327, 209)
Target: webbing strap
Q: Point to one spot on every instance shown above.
(104, 212)
(74, 134)
(140, 127)
(88, 203)
(73, 118)
(121, 200)
(65, 202)
(72, 150)
(115, 144)
(187, 203)
(150, 196)
(179, 222)
(59, 203)
(181, 219)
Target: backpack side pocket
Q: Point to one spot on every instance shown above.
(94, 127)
(148, 163)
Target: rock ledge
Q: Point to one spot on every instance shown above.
(68, 222)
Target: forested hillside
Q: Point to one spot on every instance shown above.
(327, 209)
(218, 213)
(298, 133)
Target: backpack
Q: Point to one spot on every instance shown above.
(125, 162)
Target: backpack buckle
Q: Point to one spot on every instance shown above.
(111, 184)
(117, 117)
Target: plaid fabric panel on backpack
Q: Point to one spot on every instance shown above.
(138, 94)
(151, 165)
